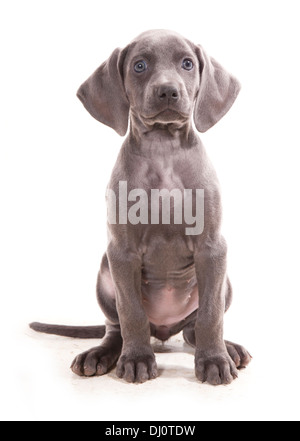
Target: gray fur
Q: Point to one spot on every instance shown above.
(154, 279)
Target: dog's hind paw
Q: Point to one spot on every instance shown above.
(239, 354)
(97, 361)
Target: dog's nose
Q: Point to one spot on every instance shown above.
(168, 92)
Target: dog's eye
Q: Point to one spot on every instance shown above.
(140, 66)
(187, 64)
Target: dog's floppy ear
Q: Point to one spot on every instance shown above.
(103, 93)
(218, 91)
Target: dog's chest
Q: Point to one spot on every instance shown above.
(163, 175)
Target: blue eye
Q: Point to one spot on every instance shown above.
(187, 64)
(140, 66)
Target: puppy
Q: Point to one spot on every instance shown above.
(164, 270)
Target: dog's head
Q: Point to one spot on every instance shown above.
(161, 78)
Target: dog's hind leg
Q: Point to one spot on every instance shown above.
(101, 359)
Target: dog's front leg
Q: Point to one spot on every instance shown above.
(137, 361)
(213, 363)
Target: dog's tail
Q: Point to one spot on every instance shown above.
(70, 331)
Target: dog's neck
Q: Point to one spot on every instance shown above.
(160, 139)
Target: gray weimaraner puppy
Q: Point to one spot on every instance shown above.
(155, 279)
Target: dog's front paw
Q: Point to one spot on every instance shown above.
(137, 366)
(215, 367)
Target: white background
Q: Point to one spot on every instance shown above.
(55, 163)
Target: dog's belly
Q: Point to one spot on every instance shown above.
(167, 303)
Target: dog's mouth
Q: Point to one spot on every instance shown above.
(167, 116)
